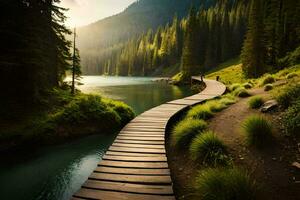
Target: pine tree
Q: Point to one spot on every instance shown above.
(253, 52)
(190, 62)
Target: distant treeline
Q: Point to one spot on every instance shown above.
(218, 33)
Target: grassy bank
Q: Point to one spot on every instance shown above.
(228, 157)
(60, 117)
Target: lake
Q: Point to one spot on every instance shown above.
(56, 172)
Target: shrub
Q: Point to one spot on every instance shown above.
(200, 112)
(209, 148)
(289, 95)
(292, 75)
(268, 79)
(124, 111)
(225, 184)
(291, 120)
(268, 87)
(241, 92)
(234, 86)
(258, 130)
(186, 130)
(181, 78)
(256, 102)
(216, 105)
(247, 85)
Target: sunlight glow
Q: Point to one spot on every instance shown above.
(83, 12)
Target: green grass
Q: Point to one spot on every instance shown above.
(225, 184)
(268, 79)
(288, 95)
(208, 148)
(241, 92)
(235, 86)
(181, 78)
(247, 85)
(292, 75)
(229, 75)
(268, 87)
(255, 102)
(291, 119)
(202, 111)
(186, 130)
(258, 130)
(69, 117)
(216, 105)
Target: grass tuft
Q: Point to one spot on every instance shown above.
(291, 75)
(208, 148)
(234, 87)
(241, 92)
(247, 85)
(258, 130)
(268, 79)
(268, 87)
(255, 102)
(225, 184)
(289, 95)
(200, 112)
(186, 130)
(291, 119)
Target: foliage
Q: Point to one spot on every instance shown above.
(186, 130)
(225, 184)
(289, 95)
(258, 130)
(255, 102)
(292, 58)
(181, 78)
(247, 85)
(268, 79)
(209, 148)
(216, 105)
(241, 92)
(229, 75)
(202, 111)
(292, 75)
(253, 52)
(291, 119)
(268, 87)
(234, 87)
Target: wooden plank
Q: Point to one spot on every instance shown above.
(133, 171)
(147, 146)
(142, 138)
(125, 178)
(143, 132)
(136, 150)
(138, 141)
(142, 129)
(135, 159)
(129, 187)
(107, 195)
(117, 153)
(142, 135)
(123, 164)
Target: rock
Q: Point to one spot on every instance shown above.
(274, 159)
(296, 164)
(268, 106)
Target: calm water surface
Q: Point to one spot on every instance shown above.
(56, 172)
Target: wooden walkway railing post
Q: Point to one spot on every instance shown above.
(135, 167)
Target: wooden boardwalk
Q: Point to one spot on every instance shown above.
(135, 167)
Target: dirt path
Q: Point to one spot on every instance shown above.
(271, 167)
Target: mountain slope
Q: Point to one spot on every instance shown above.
(99, 41)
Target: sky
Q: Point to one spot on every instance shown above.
(83, 12)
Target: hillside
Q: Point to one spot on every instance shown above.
(101, 38)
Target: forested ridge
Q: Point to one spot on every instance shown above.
(210, 34)
(98, 41)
